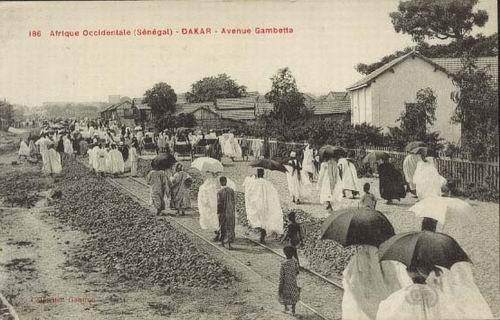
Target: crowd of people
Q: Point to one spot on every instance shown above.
(373, 289)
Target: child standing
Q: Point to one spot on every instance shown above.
(289, 291)
(368, 200)
(293, 234)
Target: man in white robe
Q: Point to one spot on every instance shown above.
(100, 155)
(262, 205)
(349, 177)
(24, 150)
(42, 144)
(54, 161)
(308, 162)
(330, 184)
(442, 294)
(116, 165)
(367, 282)
(295, 179)
(409, 166)
(207, 203)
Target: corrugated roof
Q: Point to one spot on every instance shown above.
(332, 103)
(453, 65)
(386, 67)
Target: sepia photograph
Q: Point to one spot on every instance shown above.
(249, 160)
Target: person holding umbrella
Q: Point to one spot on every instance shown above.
(442, 284)
(366, 281)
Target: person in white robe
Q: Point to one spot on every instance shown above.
(428, 181)
(115, 164)
(367, 282)
(54, 161)
(100, 154)
(437, 294)
(24, 149)
(207, 204)
(68, 145)
(133, 158)
(42, 144)
(409, 167)
(349, 177)
(308, 162)
(91, 153)
(295, 179)
(262, 205)
(330, 184)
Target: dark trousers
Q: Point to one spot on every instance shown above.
(429, 224)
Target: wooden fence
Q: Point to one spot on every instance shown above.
(464, 173)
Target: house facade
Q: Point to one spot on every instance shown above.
(380, 97)
(130, 112)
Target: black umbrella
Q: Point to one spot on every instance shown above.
(164, 161)
(269, 164)
(357, 226)
(414, 144)
(423, 248)
(329, 152)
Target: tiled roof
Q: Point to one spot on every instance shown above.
(236, 103)
(334, 102)
(386, 67)
(453, 65)
(240, 114)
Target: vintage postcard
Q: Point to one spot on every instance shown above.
(252, 160)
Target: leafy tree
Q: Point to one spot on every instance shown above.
(288, 102)
(161, 99)
(6, 112)
(212, 88)
(477, 110)
(440, 19)
(416, 116)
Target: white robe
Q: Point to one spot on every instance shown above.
(100, 156)
(68, 146)
(308, 161)
(297, 187)
(350, 179)
(367, 282)
(133, 159)
(451, 295)
(115, 163)
(325, 192)
(428, 181)
(409, 167)
(54, 161)
(43, 143)
(262, 205)
(207, 204)
(24, 150)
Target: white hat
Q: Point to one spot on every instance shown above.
(292, 154)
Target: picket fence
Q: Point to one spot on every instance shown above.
(465, 173)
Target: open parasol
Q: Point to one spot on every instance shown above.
(438, 208)
(206, 164)
(269, 165)
(375, 156)
(414, 144)
(423, 248)
(357, 226)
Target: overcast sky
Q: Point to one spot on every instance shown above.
(329, 39)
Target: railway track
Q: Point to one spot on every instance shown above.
(319, 295)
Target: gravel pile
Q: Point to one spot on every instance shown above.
(126, 241)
